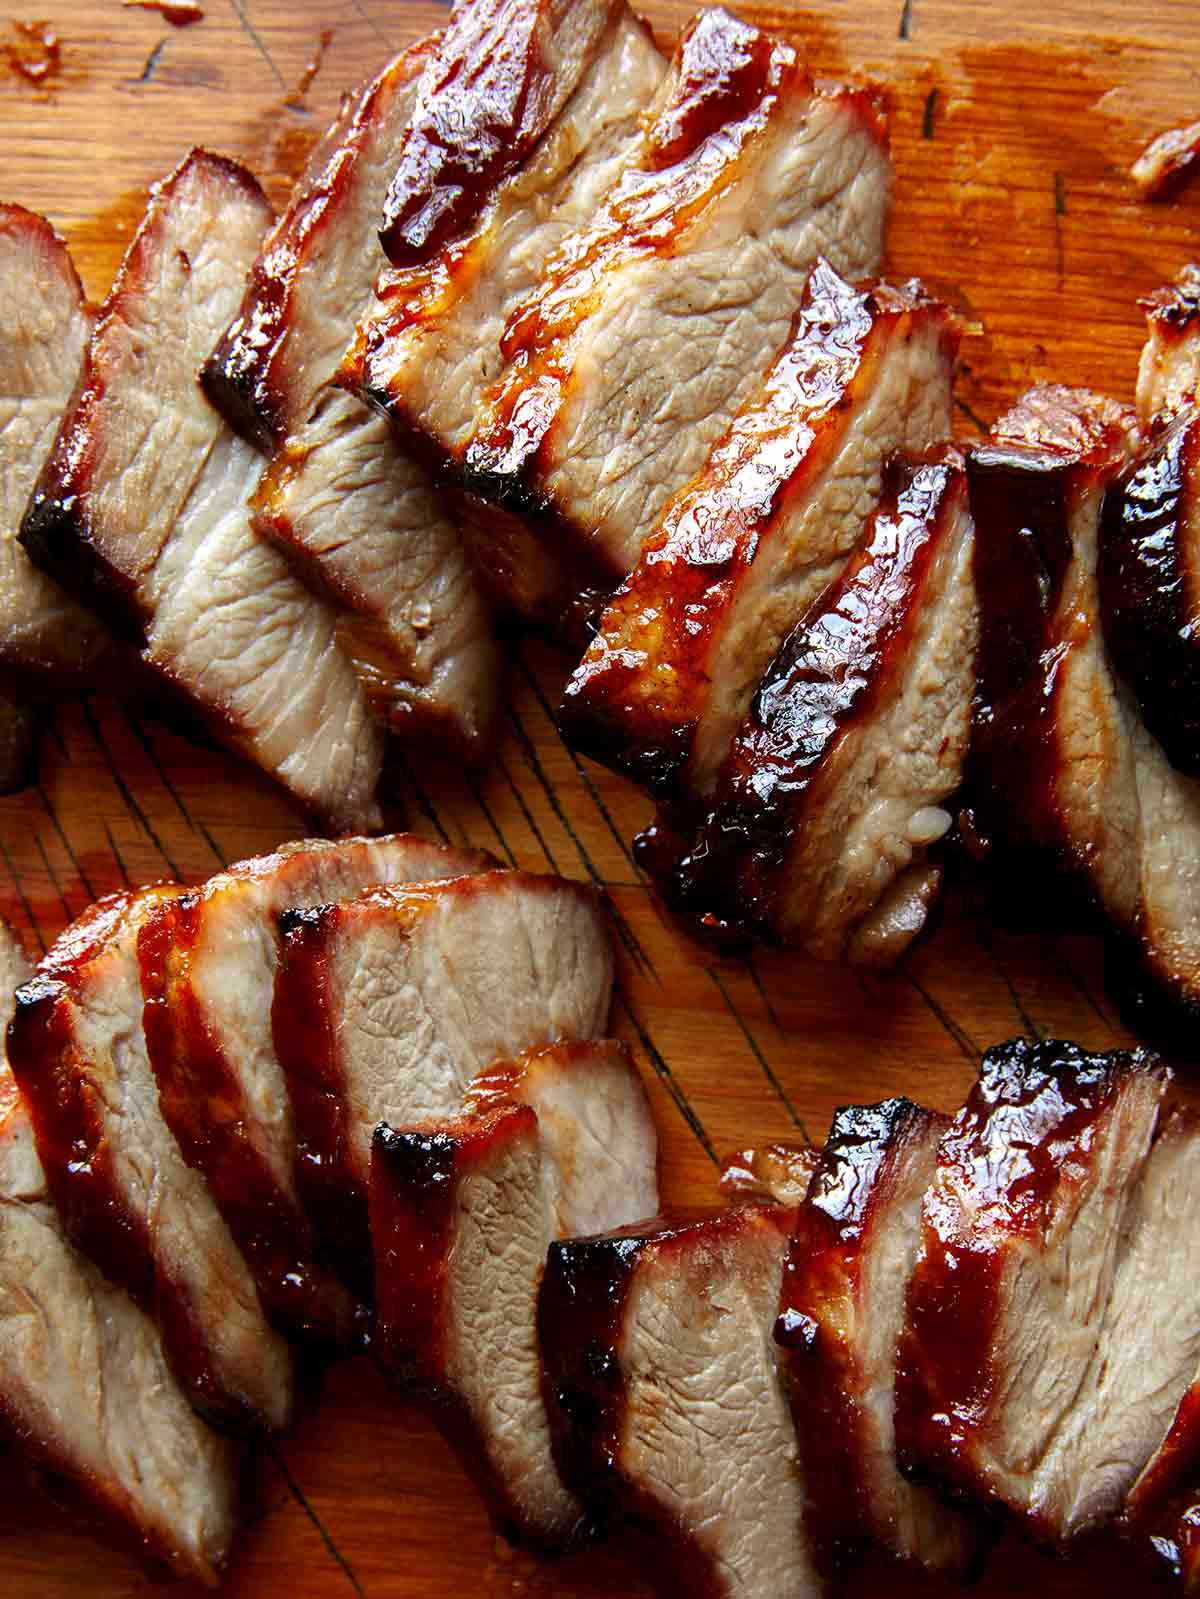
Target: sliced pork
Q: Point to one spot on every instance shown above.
(84, 1387)
(1053, 1320)
(841, 1314)
(358, 518)
(142, 508)
(386, 1006)
(208, 961)
(781, 1172)
(556, 1144)
(670, 1402)
(1169, 370)
(128, 1199)
(1065, 775)
(820, 830)
(760, 532)
(653, 324)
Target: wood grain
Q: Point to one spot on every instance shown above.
(1015, 125)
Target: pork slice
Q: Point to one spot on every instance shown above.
(1064, 773)
(1170, 363)
(653, 323)
(48, 644)
(84, 1386)
(358, 519)
(820, 831)
(142, 508)
(1042, 1363)
(781, 1172)
(128, 1199)
(555, 1144)
(756, 537)
(841, 1314)
(386, 1006)
(671, 1410)
(208, 961)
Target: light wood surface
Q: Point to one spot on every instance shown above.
(1015, 125)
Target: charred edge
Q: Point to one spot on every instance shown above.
(55, 536)
(603, 735)
(230, 383)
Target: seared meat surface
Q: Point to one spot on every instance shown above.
(556, 1144)
(386, 1006)
(652, 325)
(142, 508)
(1169, 370)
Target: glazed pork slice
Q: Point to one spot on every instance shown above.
(386, 1006)
(358, 518)
(208, 961)
(1169, 370)
(841, 1314)
(820, 831)
(556, 1144)
(670, 1405)
(654, 323)
(1053, 1323)
(128, 1199)
(141, 509)
(84, 1386)
(743, 552)
(1065, 777)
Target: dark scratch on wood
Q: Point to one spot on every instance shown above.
(127, 796)
(764, 996)
(906, 19)
(664, 1072)
(248, 29)
(985, 936)
(301, 1499)
(628, 937)
(971, 415)
(929, 119)
(478, 797)
(152, 61)
(66, 842)
(22, 898)
(144, 739)
(371, 23)
(424, 804)
(1076, 982)
(1060, 211)
(53, 876)
(757, 1052)
(51, 727)
(117, 856)
(966, 1047)
(528, 814)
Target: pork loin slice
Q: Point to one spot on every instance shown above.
(1064, 773)
(1169, 370)
(826, 809)
(357, 517)
(127, 1197)
(841, 1314)
(208, 961)
(743, 552)
(556, 1144)
(671, 1408)
(84, 1386)
(386, 1006)
(653, 324)
(142, 508)
(1052, 1323)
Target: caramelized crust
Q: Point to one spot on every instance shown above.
(742, 553)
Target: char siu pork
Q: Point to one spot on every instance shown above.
(556, 1144)
(819, 832)
(1169, 371)
(841, 1314)
(670, 1406)
(653, 324)
(386, 1006)
(128, 1199)
(761, 531)
(1053, 1318)
(1065, 776)
(141, 508)
(84, 1387)
(358, 518)
(208, 961)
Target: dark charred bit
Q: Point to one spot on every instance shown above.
(601, 732)
(55, 537)
(234, 382)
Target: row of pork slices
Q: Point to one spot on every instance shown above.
(272, 550)
(193, 1083)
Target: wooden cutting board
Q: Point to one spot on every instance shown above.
(1015, 125)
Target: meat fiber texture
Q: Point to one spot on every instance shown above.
(84, 1385)
(359, 520)
(653, 324)
(208, 961)
(556, 1144)
(142, 509)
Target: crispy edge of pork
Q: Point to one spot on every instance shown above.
(554, 1144)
